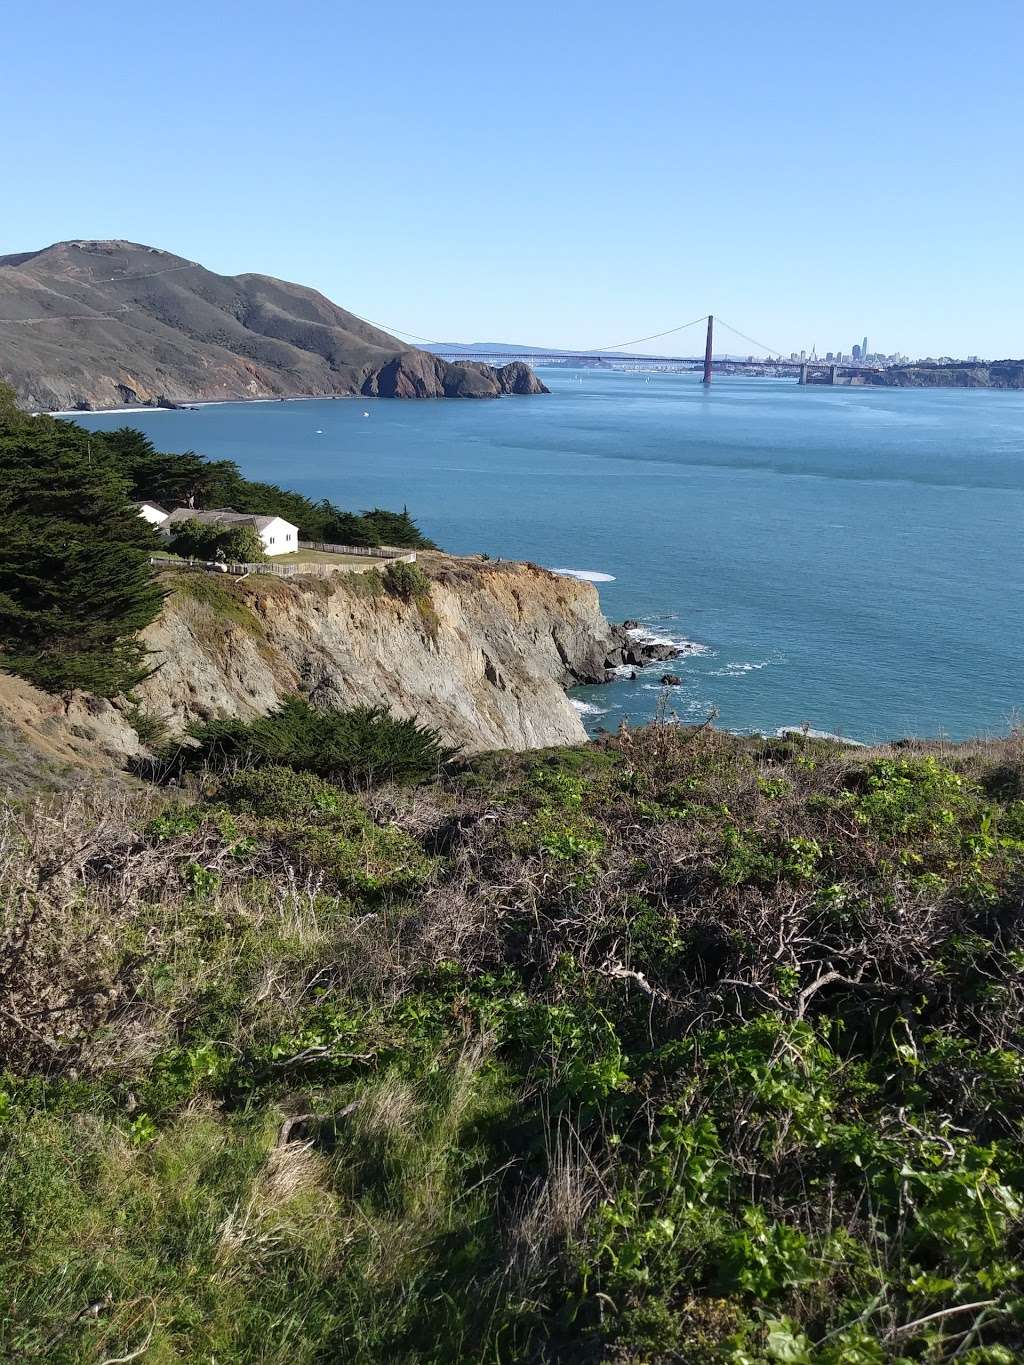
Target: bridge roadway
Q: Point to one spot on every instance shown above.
(697, 362)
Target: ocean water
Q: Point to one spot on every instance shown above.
(850, 560)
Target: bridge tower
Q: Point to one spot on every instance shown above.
(708, 348)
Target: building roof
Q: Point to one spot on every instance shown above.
(220, 516)
(149, 502)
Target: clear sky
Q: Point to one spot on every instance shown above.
(559, 173)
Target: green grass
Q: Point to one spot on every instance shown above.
(683, 1047)
(324, 557)
(221, 596)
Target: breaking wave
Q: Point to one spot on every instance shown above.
(588, 575)
(587, 708)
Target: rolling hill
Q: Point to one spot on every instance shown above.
(102, 324)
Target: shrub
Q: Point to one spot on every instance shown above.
(363, 858)
(356, 748)
(235, 544)
(194, 539)
(241, 545)
(149, 728)
(281, 791)
(406, 581)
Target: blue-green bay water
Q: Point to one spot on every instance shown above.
(849, 560)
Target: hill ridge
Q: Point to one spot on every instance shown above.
(84, 324)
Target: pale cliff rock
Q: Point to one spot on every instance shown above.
(50, 742)
(485, 659)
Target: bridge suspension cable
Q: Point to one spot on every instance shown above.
(653, 337)
(397, 331)
(772, 350)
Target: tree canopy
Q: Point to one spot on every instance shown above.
(76, 585)
(190, 480)
(235, 543)
(75, 581)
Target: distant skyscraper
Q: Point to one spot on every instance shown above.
(864, 349)
(856, 351)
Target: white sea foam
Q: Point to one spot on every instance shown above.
(643, 635)
(587, 708)
(588, 575)
(737, 670)
(102, 412)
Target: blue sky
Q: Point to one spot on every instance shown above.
(557, 173)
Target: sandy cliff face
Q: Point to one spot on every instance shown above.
(485, 658)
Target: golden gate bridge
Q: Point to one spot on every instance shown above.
(773, 357)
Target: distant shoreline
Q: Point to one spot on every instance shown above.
(184, 406)
(290, 398)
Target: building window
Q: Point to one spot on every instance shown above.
(270, 540)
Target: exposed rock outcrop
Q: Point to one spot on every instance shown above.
(485, 659)
(104, 324)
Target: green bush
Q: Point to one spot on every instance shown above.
(149, 728)
(234, 544)
(357, 748)
(406, 581)
(363, 858)
(280, 791)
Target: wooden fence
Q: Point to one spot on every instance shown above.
(373, 551)
(275, 570)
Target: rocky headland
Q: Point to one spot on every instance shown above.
(998, 374)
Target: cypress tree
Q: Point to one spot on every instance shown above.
(75, 582)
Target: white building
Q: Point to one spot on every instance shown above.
(152, 512)
(279, 537)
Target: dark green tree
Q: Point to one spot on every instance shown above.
(397, 528)
(189, 480)
(236, 544)
(240, 544)
(75, 581)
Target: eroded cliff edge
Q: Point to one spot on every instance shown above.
(485, 657)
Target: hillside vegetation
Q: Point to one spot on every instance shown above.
(678, 1048)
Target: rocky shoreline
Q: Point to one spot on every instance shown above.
(627, 646)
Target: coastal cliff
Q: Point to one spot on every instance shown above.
(484, 656)
(110, 324)
(1000, 374)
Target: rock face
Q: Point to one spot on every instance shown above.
(418, 374)
(485, 660)
(101, 324)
